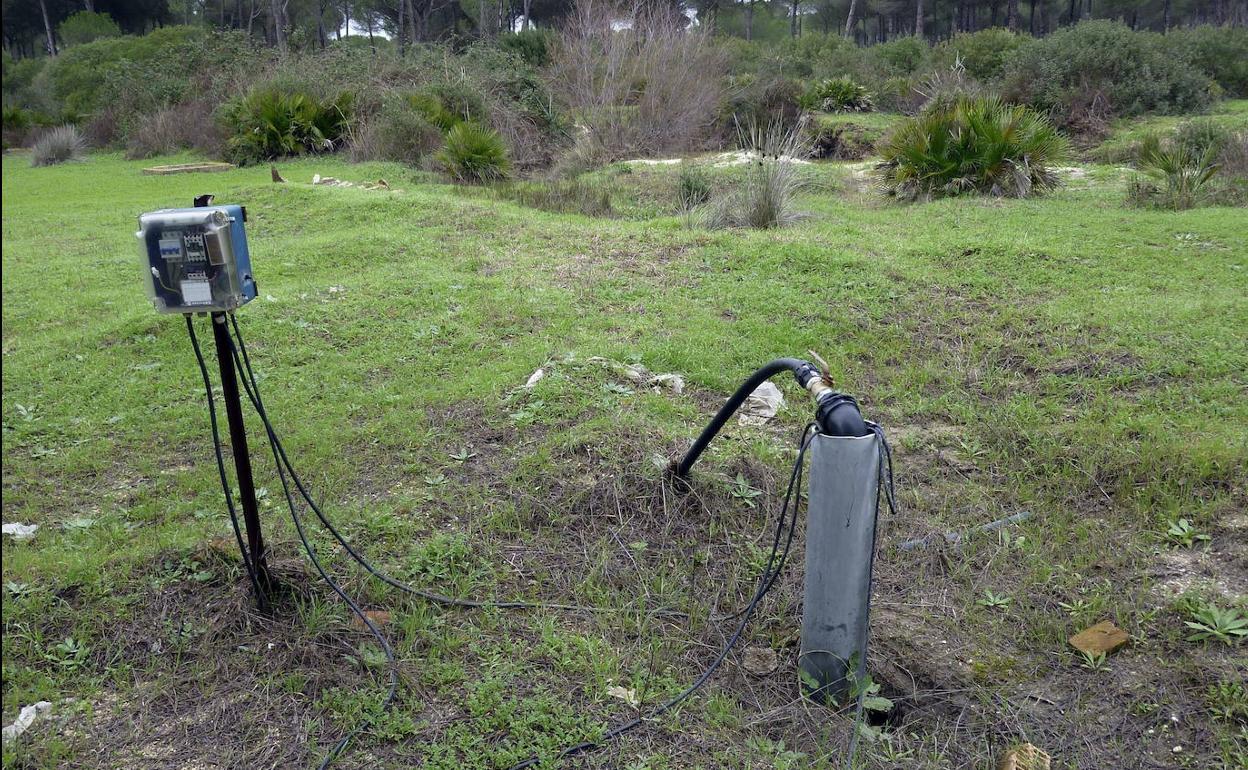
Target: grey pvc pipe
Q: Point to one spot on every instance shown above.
(840, 545)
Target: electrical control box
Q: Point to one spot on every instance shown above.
(196, 260)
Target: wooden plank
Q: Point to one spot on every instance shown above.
(188, 168)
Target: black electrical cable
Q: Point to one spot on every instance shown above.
(249, 382)
(216, 446)
(253, 394)
(391, 663)
(775, 561)
(766, 581)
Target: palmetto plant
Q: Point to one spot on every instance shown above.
(272, 123)
(474, 154)
(1183, 167)
(837, 95)
(971, 145)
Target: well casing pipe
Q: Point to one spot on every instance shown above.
(840, 548)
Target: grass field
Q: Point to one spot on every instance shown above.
(1065, 356)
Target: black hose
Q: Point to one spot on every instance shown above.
(680, 469)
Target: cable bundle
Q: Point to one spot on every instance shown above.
(776, 559)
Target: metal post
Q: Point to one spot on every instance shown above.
(238, 446)
(242, 458)
(840, 546)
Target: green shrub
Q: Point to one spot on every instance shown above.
(1219, 52)
(837, 95)
(446, 105)
(474, 154)
(1097, 69)
(19, 78)
(1178, 171)
(17, 122)
(400, 133)
(86, 26)
(1203, 136)
(61, 144)
(78, 75)
(982, 54)
(842, 138)
(271, 123)
(532, 46)
(901, 56)
(974, 145)
(693, 186)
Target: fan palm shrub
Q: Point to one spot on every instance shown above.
(837, 95)
(1178, 169)
(971, 145)
(273, 123)
(474, 154)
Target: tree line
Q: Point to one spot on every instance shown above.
(38, 27)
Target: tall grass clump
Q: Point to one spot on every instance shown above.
(767, 196)
(474, 154)
(1176, 172)
(562, 196)
(61, 144)
(971, 145)
(693, 186)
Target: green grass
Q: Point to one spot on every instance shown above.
(1063, 355)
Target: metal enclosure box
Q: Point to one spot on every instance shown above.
(196, 260)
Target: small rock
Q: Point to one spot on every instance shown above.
(760, 661)
(1101, 639)
(673, 382)
(19, 531)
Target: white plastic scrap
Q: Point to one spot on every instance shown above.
(626, 694)
(26, 718)
(761, 405)
(20, 532)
